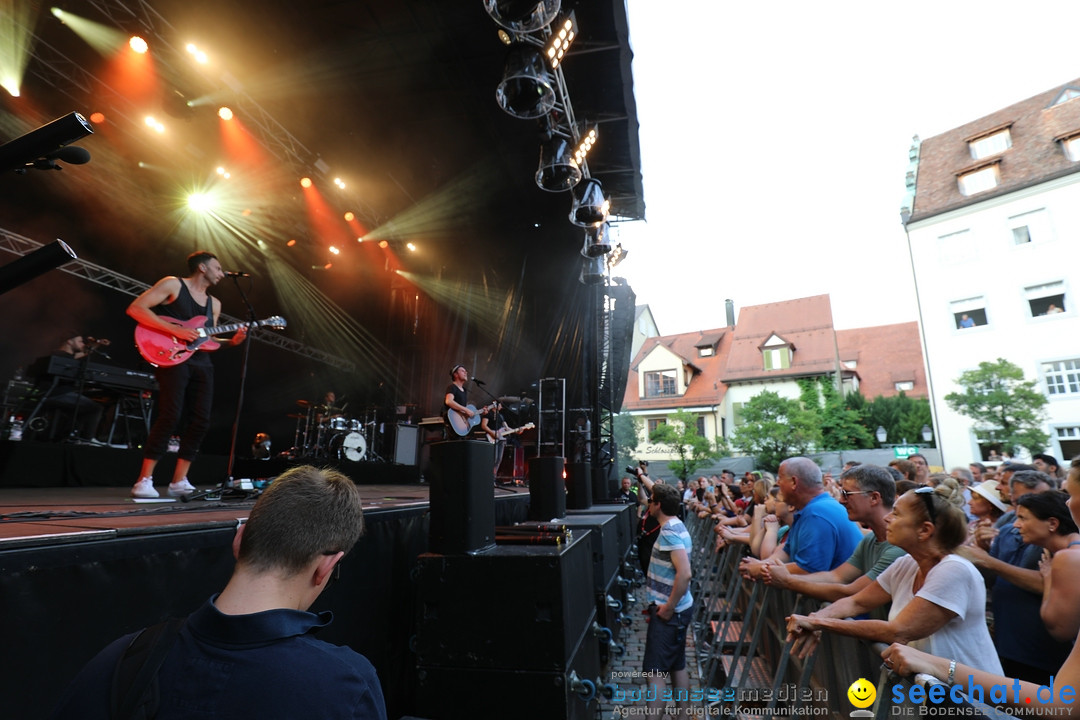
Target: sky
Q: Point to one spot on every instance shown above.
(774, 140)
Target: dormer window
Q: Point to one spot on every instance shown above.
(707, 351)
(660, 383)
(981, 180)
(992, 144)
(776, 353)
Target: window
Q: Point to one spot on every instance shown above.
(1062, 377)
(1029, 227)
(991, 144)
(1066, 95)
(1072, 147)
(660, 383)
(701, 425)
(776, 353)
(905, 386)
(736, 414)
(655, 423)
(968, 313)
(1047, 299)
(978, 181)
(706, 351)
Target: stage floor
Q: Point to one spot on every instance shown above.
(74, 514)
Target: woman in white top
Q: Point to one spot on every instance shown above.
(938, 598)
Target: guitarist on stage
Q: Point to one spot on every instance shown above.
(457, 397)
(188, 385)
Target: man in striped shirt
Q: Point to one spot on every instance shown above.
(671, 604)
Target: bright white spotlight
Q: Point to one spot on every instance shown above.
(199, 202)
(334, 250)
(11, 85)
(411, 246)
(138, 45)
(154, 124)
(225, 113)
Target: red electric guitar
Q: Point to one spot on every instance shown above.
(163, 350)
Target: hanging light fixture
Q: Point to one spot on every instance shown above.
(522, 16)
(596, 241)
(558, 171)
(526, 90)
(593, 271)
(589, 207)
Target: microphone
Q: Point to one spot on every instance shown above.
(478, 381)
(232, 273)
(46, 143)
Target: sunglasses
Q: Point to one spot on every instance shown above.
(927, 494)
(845, 494)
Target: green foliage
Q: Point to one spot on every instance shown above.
(1007, 409)
(775, 428)
(679, 434)
(842, 428)
(626, 430)
(902, 417)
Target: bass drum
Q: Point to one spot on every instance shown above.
(351, 446)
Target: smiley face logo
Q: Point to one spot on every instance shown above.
(861, 693)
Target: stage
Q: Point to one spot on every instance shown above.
(82, 563)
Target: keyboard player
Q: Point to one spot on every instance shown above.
(67, 403)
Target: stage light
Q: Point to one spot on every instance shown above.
(359, 239)
(560, 40)
(305, 182)
(225, 113)
(349, 216)
(137, 44)
(384, 244)
(30, 266)
(522, 16)
(222, 172)
(327, 266)
(558, 170)
(526, 89)
(593, 271)
(334, 250)
(586, 144)
(11, 85)
(411, 246)
(589, 207)
(617, 256)
(340, 183)
(199, 202)
(97, 118)
(199, 55)
(154, 124)
(291, 243)
(596, 241)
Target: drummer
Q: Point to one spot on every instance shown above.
(326, 412)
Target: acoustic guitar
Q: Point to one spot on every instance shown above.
(463, 425)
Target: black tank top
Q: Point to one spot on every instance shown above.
(184, 307)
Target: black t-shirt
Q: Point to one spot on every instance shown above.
(461, 396)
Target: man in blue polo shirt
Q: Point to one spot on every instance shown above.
(821, 536)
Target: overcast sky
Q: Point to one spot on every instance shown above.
(774, 140)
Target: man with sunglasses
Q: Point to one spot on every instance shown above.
(868, 493)
(251, 650)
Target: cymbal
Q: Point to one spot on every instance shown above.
(303, 403)
(298, 416)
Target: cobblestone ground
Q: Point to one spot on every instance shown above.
(625, 671)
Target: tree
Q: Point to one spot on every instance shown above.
(842, 428)
(1007, 409)
(626, 430)
(775, 428)
(901, 416)
(681, 437)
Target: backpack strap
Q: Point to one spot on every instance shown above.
(135, 686)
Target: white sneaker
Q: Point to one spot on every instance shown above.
(181, 487)
(144, 488)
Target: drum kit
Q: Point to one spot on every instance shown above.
(324, 432)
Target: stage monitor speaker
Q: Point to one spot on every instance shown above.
(579, 494)
(462, 497)
(406, 444)
(547, 489)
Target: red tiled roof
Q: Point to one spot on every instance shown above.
(704, 388)
(1034, 157)
(885, 355)
(805, 323)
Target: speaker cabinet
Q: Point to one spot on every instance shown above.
(579, 494)
(625, 523)
(603, 545)
(514, 607)
(406, 444)
(547, 489)
(462, 497)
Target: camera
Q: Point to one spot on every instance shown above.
(631, 470)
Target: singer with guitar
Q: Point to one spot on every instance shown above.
(461, 416)
(189, 384)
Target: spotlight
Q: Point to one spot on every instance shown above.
(590, 207)
(40, 261)
(596, 241)
(522, 16)
(305, 182)
(334, 250)
(199, 202)
(350, 216)
(225, 113)
(138, 45)
(154, 124)
(340, 183)
(411, 246)
(558, 171)
(199, 55)
(526, 90)
(384, 244)
(586, 144)
(97, 118)
(291, 243)
(593, 271)
(617, 255)
(560, 40)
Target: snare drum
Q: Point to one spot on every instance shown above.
(339, 423)
(355, 426)
(351, 446)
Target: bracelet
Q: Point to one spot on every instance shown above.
(952, 673)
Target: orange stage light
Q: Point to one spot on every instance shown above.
(305, 182)
(97, 118)
(291, 243)
(349, 217)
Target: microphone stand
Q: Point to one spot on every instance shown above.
(226, 490)
(498, 413)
